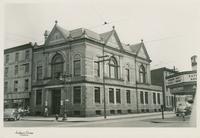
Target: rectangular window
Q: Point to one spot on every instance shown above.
(39, 72)
(141, 98)
(15, 86)
(118, 96)
(97, 69)
(127, 75)
(27, 68)
(77, 68)
(77, 95)
(38, 97)
(158, 95)
(128, 96)
(154, 98)
(5, 86)
(26, 85)
(27, 55)
(6, 71)
(111, 95)
(16, 69)
(97, 96)
(146, 98)
(166, 100)
(7, 58)
(16, 56)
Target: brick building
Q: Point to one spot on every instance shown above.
(67, 74)
(17, 76)
(158, 77)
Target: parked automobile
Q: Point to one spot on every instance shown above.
(11, 114)
(183, 110)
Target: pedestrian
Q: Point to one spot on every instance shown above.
(56, 117)
(46, 112)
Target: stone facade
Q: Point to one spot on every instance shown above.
(67, 75)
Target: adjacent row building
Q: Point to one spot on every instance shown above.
(17, 76)
(178, 87)
(83, 73)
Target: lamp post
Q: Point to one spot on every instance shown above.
(65, 110)
(66, 100)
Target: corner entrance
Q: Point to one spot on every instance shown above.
(56, 97)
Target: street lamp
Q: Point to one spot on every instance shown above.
(66, 100)
(65, 110)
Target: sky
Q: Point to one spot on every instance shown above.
(170, 29)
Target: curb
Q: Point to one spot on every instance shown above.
(168, 121)
(101, 119)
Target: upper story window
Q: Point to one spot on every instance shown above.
(5, 86)
(6, 71)
(97, 69)
(15, 86)
(77, 65)
(7, 59)
(142, 74)
(57, 66)
(127, 74)
(27, 55)
(113, 68)
(16, 69)
(26, 84)
(27, 68)
(16, 57)
(39, 72)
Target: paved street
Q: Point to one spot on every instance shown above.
(144, 121)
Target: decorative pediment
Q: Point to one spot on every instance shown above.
(58, 35)
(142, 52)
(113, 40)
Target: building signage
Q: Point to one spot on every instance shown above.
(182, 78)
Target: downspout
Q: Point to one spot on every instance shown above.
(136, 86)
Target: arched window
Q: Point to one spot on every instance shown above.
(57, 66)
(142, 74)
(113, 68)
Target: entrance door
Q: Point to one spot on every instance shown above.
(56, 97)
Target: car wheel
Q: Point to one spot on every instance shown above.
(15, 118)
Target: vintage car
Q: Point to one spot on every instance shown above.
(11, 114)
(183, 110)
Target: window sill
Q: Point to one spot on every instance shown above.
(113, 79)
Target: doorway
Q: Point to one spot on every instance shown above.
(55, 98)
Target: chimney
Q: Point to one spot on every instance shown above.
(194, 62)
(46, 34)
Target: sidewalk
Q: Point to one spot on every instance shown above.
(87, 119)
(175, 119)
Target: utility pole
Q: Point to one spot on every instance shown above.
(66, 100)
(104, 89)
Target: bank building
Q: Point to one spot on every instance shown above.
(82, 73)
